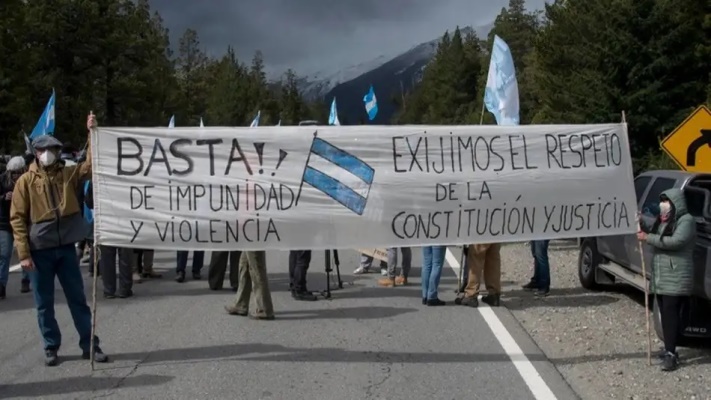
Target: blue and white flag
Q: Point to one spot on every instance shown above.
(333, 116)
(171, 123)
(201, 124)
(338, 174)
(255, 121)
(371, 104)
(501, 93)
(45, 124)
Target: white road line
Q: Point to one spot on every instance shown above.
(525, 368)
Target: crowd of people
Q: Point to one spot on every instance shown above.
(46, 215)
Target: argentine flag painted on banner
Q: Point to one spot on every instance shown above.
(255, 121)
(339, 175)
(171, 123)
(501, 93)
(45, 124)
(371, 104)
(333, 116)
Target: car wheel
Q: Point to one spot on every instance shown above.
(588, 260)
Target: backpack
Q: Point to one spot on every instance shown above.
(88, 212)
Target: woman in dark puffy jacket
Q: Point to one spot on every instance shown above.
(673, 237)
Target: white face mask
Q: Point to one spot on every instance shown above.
(665, 208)
(47, 158)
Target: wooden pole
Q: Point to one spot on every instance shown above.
(646, 285)
(93, 303)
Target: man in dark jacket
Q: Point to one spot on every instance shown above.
(14, 169)
(46, 221)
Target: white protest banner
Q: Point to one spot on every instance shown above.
(359, 186)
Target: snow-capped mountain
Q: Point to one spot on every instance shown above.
(317, 85)
(405, 69)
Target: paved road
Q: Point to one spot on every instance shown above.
(174, 341)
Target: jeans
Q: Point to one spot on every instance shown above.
(542, 268)
(6, 241)
(432, 260)
(198, 260)
(63, 263)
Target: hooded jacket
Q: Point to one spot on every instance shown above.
(673, 242)
(45, 210)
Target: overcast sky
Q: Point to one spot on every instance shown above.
(322, 35)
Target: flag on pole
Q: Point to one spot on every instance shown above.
(201, 124)
(371, 104)
(255, 121)
(333, 116)
(45, 124)
(501, 93)
(171, 124)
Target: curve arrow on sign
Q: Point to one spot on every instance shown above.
(694, 147)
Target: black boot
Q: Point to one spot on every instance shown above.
(493, 300)
(181, 277)
(304, 296)
(25, 288)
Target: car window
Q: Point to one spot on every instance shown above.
(651, 203)
(640, 185)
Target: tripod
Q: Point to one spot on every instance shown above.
(327, 267)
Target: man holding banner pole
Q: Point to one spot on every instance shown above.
(46, 220)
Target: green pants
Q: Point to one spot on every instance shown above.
(253, 281)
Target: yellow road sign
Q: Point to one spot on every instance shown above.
(690, 143)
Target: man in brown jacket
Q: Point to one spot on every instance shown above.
(46, 221)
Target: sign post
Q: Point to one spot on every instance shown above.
(689, 145)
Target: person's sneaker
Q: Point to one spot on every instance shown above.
(25, 286)
(493, 300)
(305, 296)
(180, 278)
(50, 358)
(151, 275)
(671, 362)
(424, 302)
(467, 301)
(197, 276)
(262, 317)
(435, 302)
(386, 282)
(126, 295)
(137, 278)
(530, 286)
(233, 310)
(2, 291)
(542, 292)
(99, 355)
(383, 272)
(361, 271)
(401, 281)
(109, 296)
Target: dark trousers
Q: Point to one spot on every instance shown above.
(107, 263)
(60, 262)
(198, 260)
(299, 261)
(218, 267)
(674, 313)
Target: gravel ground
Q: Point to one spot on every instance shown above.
(597, 339)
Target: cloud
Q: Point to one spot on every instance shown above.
(321, 35)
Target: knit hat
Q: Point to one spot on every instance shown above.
(16, 163)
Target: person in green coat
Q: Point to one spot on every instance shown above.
(673, 237)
